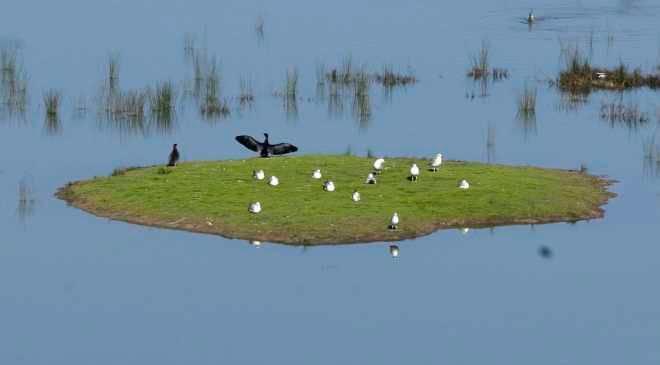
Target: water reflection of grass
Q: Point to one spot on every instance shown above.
(26, 199)
(620, 113)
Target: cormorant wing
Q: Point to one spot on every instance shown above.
(249, 143)
(282, 148)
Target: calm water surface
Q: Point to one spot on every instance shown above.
(76, 289)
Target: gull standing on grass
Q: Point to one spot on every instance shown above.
(254, 207)
(394, 221)
(436, 162)
(414, 172)
(378, 165)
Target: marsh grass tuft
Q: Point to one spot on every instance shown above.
(389, 78)
(480, 62)
(580, 76)
(112, 79)
(211, 105)
(344, 74)
(162, 101)
(526, 114)
(480, 68)
(362, 100)
(13, 81)
(52, 99)
(290, 93)
(246, 96)
(527, 102)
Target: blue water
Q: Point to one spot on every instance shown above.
(76, 289)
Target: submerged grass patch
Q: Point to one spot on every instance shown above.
(213, 197)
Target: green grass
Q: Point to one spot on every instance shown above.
(213, 197)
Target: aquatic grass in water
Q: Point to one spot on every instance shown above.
(362, 100)
(480, 68)
(162, 100)
(52, 99)
(211, 106)
(290, 94)
(162, 106)
(389, 78)
(246, 96)
(480, 62)
(13, 81)
(527, 110)
(344, 74)
(527, 102)
(579, 76)
(112, 80)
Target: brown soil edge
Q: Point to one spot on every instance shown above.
(67, 194)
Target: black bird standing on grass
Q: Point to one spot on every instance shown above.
(174, 156)
(264, 148)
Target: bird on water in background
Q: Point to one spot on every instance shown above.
(174, 156)
(265, 149)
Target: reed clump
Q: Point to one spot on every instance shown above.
(246, 96)
(480, 68)
(211, 105)
(527, 102)
(361, 99)
(580, 76)
(52, 99)
(389, 78)
(162, 100)
(13, 80)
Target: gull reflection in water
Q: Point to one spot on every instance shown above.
(394, 250)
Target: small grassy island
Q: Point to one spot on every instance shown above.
(213, 197)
